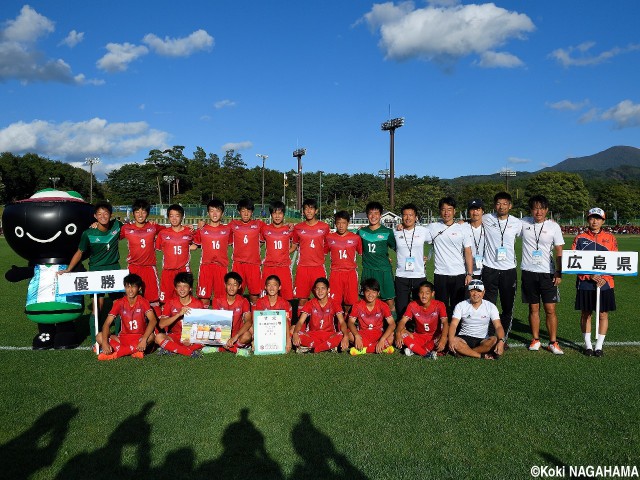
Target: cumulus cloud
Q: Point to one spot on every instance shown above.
(120, 56)
(72, 39)
(579, 56)
(75, 140)
(491, 59)
(27, 27)
(517, 161)
(237, 146)
(624, 115)
(568, 105)
(224, 103)
(179, 47)
(443, 34)
(589, 116)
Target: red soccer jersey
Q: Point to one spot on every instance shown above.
(311, 241)
(277, 243)
(246, 241)
(175, 247)
(141, 243)
(370, 319)
(215, 242)
(321, 318)
(427, 319)
(134, 319)
(281, 304)
(343, 250)
(172, 307)
(239, 307)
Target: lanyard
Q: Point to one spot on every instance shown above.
(413, 232)
(537, 237)
(477, 244)
(505, 229)
(433, 241)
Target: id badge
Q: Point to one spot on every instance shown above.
(477, 262)
(409, 264)
(501, 254)
(537, 257)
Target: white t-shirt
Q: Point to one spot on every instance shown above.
(449, 243)
(542, 238)
(410, 252)
(475, 322)
(501, 233)
(478, 247)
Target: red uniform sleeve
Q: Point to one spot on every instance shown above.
(359, 245)
(442, 310)
(386, 311)
(158, 241)
(116, 308)
(245, 306)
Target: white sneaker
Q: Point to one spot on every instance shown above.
(555, 348)
(534, 346)
(408, 352)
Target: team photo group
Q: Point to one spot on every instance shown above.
(387, 306)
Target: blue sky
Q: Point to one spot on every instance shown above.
(518, 84)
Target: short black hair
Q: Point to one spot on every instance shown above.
(183, 277)
(502, 196)
(409, 206)
(100, 205)
(246, 203)
(541, 199)
(132, 279)
(215, 203)
(273, 277)
(447, 201)
(370, 284)
(176, 208)
(341, 215)
(277, 205)
(321, 280)
(373, 206)
(233, 275)
(310, 202)
(141, 204)
(426, 283)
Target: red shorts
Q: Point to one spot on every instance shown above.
(320, 340)
(149, 275)
(284, 274)
(250, 274)
(127, 342)
(176, 337)
(305, 278)
(370, 338)
(167, 288)
(211, 281)
(344, 287)
(424, 340)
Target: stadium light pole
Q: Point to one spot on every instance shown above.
(169, 179)
(299, 153)
(320, 199)
(263, 157)
(506, 173)
(284, 187)
(54, 180)
(390, 126)
(385, 173)
(91, 161)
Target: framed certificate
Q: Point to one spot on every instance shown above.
(269, 332)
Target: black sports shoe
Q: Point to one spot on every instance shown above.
(588, 352)
(598, 353)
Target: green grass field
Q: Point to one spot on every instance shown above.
(66, 415)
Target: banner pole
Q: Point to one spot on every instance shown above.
(597, 313)
(95, 321)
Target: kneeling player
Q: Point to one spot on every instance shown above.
(171, 320)
(474, 316)
(320, 333)
(432, 324)
(239, 305)
(136, 334)
(370, 336)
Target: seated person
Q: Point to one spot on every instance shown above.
(474, 315)
(239, 305)
(370, 336)
(137, 319)
(432, 324)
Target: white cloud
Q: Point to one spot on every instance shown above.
(490, 59)
(75, 140)
(565, 57)
(589, 116)
(236, 146)
(568, 105)
(517, 161)
(72, 39)
(120, 56)
(443, 34)
(625, 114)
(179, 47)
(224, 103)
(27, 27)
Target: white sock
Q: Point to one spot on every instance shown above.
(599, 341)
(587, 341)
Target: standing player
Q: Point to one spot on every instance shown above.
(541, 275)
(174, 242)
(277, 260)
(377, 240)
(594, 238)
(246, 248)
(214, 238)
(432, 325)
(309, 238)
(236, 303)
(499, 273)
(172, 316)
(141, 240)
(475, 210)
(320, 334)
(343, 247)
(370, 336)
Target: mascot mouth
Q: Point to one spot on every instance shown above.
(44, 241)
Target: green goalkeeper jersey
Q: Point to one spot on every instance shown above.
(375, 247)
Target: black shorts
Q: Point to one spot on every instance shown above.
(586, 300)
(472, 342)
(537, 286)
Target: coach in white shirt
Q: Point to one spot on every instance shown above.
(409, 257)
(499, 273)
(541, 270)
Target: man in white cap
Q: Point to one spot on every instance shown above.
(595, 238)
(474, 316)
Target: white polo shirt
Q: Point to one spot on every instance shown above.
(410, 244)
(501, 233)
(475, 322)
(449, 243)
(539, 237)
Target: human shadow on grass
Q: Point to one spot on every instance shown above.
(556, 462)
(37, 447)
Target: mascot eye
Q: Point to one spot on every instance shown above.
(19, 232)
(71, 229)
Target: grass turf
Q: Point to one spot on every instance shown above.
(305, 416)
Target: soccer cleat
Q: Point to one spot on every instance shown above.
(554, 348)
(389, 350)
(242, 352)
(588, 352)
(302, 349)
(354, 351)
(161, 351)
(196, 354)
(408, 352)
(137, 355)
(334, 350)
(534, 346)
(487, 356)
(105, 356)
(207, 350)
(431, 355)
(598, 353)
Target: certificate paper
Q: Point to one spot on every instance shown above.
(269, 332)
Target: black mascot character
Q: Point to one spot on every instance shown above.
(45, 229)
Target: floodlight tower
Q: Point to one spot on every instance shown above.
(263, 157)
(299, 153)
(91, 161)
(320, 199)
(169, 179)
(506, 173)
(385, 173)
(54, 180)
(390, 126)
